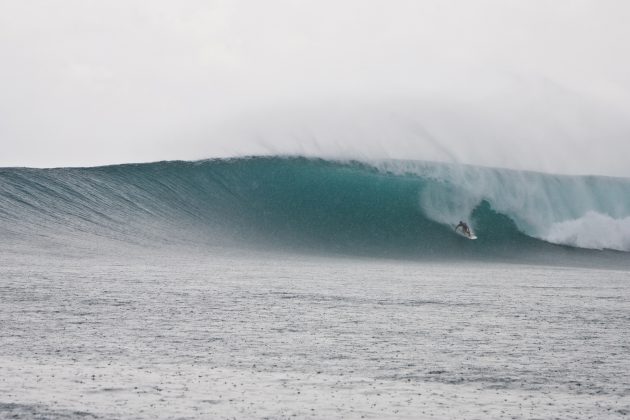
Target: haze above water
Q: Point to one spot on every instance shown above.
(522, 84)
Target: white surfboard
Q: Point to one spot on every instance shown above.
(461, 232)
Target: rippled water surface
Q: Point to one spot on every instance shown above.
(171, 336)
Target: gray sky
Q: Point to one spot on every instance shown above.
(541, 85)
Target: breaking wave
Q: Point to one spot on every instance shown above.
(386, 208)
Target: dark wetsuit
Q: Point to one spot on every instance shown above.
(464, 227)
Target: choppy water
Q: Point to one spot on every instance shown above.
(162, 335)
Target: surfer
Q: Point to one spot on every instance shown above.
(464, 227)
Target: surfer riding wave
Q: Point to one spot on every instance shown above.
(464, 227)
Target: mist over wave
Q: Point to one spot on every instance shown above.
(379, 208)
(543, 127)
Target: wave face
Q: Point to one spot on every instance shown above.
(385, 208)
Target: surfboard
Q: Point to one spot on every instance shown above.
(461, 232)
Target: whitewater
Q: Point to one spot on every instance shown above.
(286, 286)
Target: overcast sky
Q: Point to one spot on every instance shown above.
(541, 85)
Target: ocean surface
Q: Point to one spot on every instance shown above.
(276, 287)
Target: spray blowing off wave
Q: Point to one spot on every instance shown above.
(580, 211)
(387, 208)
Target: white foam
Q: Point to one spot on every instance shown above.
(594, 231)
(585, 212)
